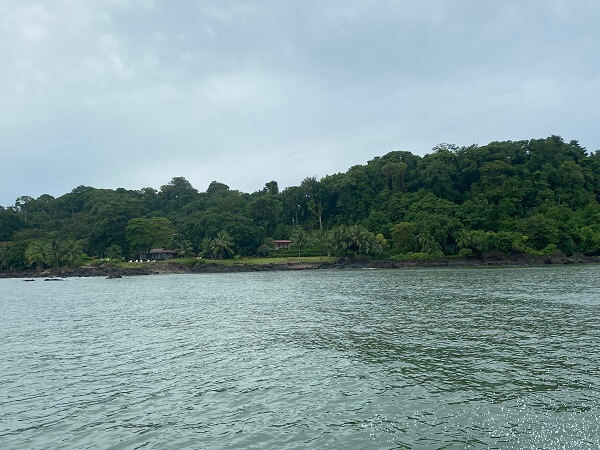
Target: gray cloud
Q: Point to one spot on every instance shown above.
(130, 93)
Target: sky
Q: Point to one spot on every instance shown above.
(131, 93)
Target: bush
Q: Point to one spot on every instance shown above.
(465, 253)
(550, 249)
(263, 250)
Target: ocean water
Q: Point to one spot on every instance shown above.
(408, 358)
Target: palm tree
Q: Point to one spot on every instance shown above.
(70, 251)
(478, 240)
(56, 250)
(428, 243)
(36, 253)
(464, 239)
(206, 248)
(339, 240)
(222, 243)
(323, 240)
(357, 239)
(299, 239)
(184, 249)
(114, 251)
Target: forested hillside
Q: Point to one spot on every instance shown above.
(539, 196)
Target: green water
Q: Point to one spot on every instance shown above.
(415, 358)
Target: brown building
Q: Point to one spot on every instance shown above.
(281, 243)
(158, 254)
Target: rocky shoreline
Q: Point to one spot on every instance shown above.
(111, 271)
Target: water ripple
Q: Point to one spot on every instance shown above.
(416, 358)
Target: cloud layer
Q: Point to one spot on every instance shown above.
(131, 93)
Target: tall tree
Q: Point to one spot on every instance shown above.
(71, 251)
(322, 240)
(222, 243)
(299, 239)
(37, 254)
(144, 234)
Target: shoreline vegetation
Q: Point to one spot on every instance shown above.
(117, 269)
(513, 202)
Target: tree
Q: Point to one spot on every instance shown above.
(322, 239)
(299, 239)
(377, 244)
(540, 230)
(404, 237)
(513, 196)
(313, 197)
(265, 248)
(206, 248)
(145, 234)
(10, 222)
(215, 187)
(71, 251)
(339, 240)
(4, 253)
(114, 251)
(464, 239)
(222, 243)
(271, 188)
(358, 239)
(266, 211)
(394, 174)
(177, 193)
(56, 250)
(429, 244)
(316, 209)
(37, 254)
(184, 248)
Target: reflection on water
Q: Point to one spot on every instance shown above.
(429, 358)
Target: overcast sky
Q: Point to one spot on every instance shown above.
(131, 93)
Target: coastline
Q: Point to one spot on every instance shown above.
(158, 268)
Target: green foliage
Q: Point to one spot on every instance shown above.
(206, 248)
(404, 237)
(322, 240)
(70, 251)
(37, 254)
(538, 196)
(265, 248)
(184, 248)
(540, 230)
(223, 243)
(4, 255)
(299, 239)
(114, 252)
(465, 253)
(145, 234)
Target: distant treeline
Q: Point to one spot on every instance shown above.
(526, 197)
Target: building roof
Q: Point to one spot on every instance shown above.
(282, 241)
(161, 250)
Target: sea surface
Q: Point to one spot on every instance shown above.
(350, 359)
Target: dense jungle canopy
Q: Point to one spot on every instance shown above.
(536, 196)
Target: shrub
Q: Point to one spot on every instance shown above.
(465, 253)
